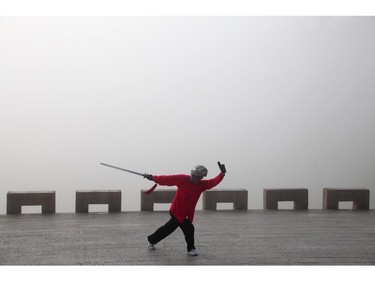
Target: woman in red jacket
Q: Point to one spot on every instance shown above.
(189, 189)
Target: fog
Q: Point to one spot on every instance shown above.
(283, 102)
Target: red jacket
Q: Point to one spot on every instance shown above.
(188, 193)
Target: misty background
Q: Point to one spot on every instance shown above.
(283, 102)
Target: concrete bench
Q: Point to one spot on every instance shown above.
(236, 196)
(86, 197)
(359, 196)
(157, 196)
(15, 201)
(299, 196)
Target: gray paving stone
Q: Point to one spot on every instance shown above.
(253, 237)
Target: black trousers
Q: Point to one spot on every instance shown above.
(162, 232)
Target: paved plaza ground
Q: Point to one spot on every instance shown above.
(226, 237)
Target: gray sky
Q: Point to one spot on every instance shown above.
(282, 101)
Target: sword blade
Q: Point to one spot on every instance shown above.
(122, 169)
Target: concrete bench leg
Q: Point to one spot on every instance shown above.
(359, 196)
(157, 196)
(236, 196)
(15, 201)
(110, 197)
(299, 196)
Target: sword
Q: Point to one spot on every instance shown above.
(122, 169)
